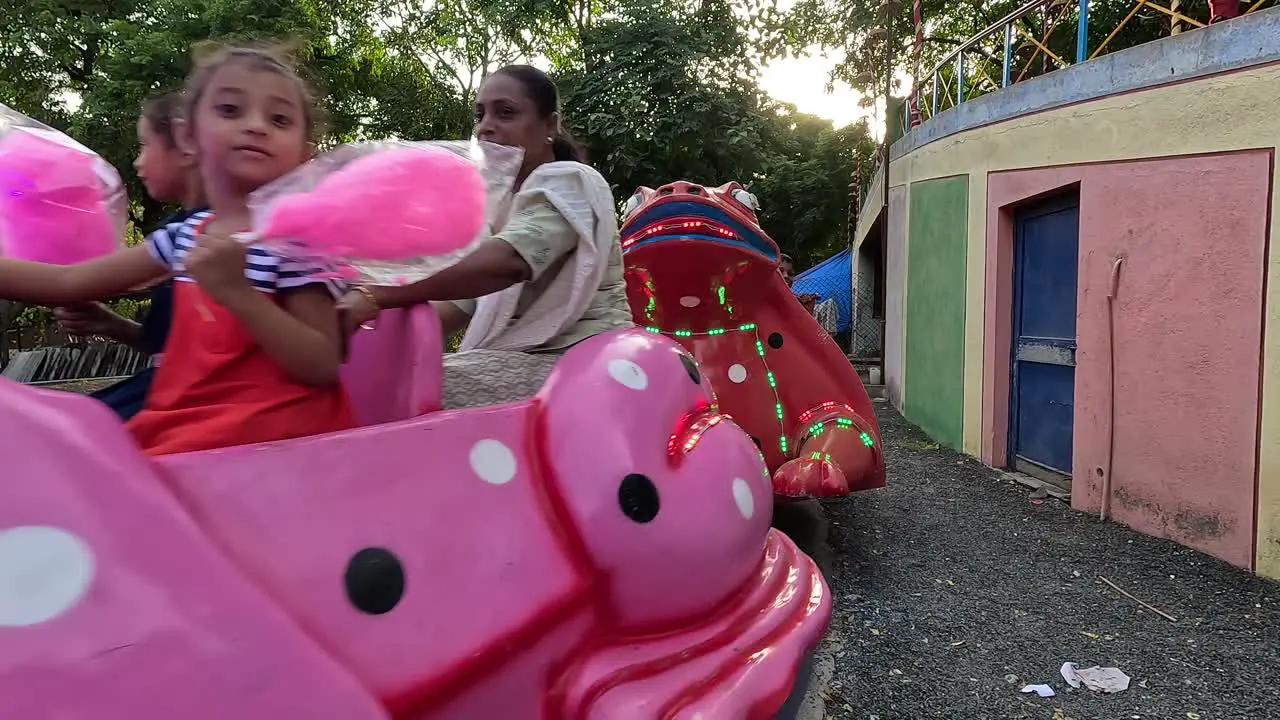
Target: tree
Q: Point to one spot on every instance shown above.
(459, 40)
(86, 67)
(658, 97)
(665, 92)
(804, 186)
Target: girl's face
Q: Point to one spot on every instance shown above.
(250, 127)
(160, 164)
(506, 115)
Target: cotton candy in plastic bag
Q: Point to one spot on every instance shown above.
(345, 209)
(60, 202)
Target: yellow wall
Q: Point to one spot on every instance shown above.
(1235, 111)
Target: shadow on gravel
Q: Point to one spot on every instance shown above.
(953, 590)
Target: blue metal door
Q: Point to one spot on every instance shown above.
(1046, 237)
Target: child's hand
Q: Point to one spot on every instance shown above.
(217, 264)
(88, 320)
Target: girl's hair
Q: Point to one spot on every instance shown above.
(209, 58)
(159, 112)
(546, 97)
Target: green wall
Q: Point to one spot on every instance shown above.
(934, 323)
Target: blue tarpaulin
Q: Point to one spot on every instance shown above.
(831, 278)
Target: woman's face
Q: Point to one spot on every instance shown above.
(506, 115)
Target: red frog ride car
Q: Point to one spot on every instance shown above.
(702, 271)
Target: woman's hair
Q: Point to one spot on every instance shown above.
(159, 112)
(546, 97)
(209, 58)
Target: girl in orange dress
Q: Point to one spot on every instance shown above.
(255, 347)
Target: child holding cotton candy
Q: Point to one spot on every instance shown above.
(255, 346)
(171, 176)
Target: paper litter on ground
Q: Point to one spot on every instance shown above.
(1098, 679)
(1041, 690)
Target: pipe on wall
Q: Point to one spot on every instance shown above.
(1112, 291)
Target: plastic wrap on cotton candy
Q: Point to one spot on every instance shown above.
(59, 201)
(388, 212)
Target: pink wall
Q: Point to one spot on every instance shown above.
(895, 286)
(1192, 232)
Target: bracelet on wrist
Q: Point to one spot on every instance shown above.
(368, 295)
(373, 301)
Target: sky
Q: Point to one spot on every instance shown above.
(803, 82)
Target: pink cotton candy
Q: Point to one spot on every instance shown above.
(55, 199)
(398, 203)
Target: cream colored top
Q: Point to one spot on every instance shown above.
(546, 241)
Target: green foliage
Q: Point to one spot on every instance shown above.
(32, 317)
(661, 98)
(658, 89)
(86, 68)
(666, 93)
(804, 188)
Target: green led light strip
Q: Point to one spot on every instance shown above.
(840, 422)
(773, 383)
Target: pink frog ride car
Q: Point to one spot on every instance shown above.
(598, 552)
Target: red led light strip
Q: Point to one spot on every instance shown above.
(668, 226)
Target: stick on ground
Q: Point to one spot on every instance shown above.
(1152, 608)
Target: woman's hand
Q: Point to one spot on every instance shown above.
(217, 264)
(356, 309)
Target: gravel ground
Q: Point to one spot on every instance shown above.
(83, 387)
(953, 590)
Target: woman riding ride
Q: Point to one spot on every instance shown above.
(549, 276)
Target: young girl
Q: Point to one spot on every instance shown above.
(171, 176)
(255, 346)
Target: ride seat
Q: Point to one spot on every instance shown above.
(395, 371)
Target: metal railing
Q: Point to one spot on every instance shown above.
(1009, 46)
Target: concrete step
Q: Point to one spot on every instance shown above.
(869, 374)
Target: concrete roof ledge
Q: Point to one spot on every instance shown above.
(1247, 41)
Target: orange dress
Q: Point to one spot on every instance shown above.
(215, 386)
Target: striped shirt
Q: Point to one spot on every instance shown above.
(265, 270)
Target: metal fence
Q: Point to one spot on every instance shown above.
(74, 362)
(866, 339)
(1007, 52)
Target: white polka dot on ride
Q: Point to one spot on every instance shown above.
(690, 301)
(743, 498)
(493, 462)
(628, 374)
(44, 572)
(737, 373)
